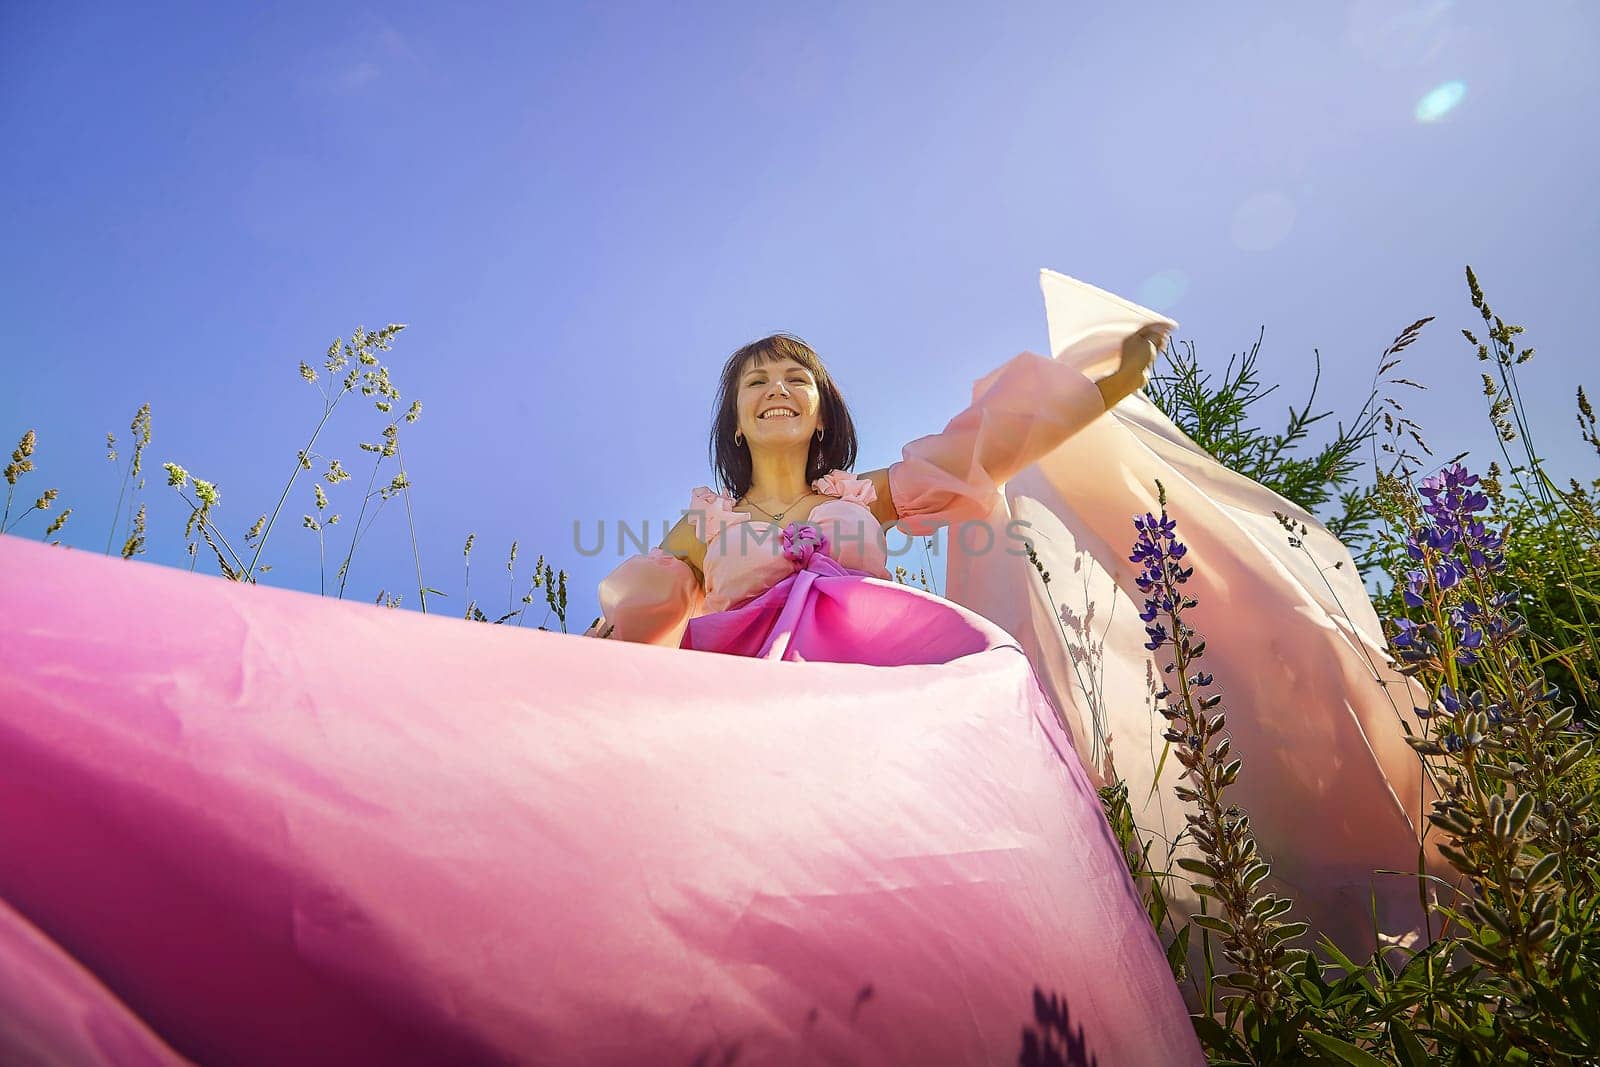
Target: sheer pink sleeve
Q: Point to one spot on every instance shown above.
(1018, 413)
(650, 598)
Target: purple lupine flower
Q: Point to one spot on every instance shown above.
(1451, 507)
(1406, 633)
(1467, 647)
(1157, 551)
(1452, 545)
(1416, 585)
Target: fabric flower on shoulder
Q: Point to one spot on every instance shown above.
(846, 486)
(710, 513)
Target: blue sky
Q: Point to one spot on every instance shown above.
(581, 212)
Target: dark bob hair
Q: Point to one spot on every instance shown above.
(730, 460)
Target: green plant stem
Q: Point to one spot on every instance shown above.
(355, 535)
(207, 525)
(18, 522)
(416, 554)
(327, 413)
(116, 515)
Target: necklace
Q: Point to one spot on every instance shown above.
(775, 517)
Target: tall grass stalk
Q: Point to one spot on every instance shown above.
(362, 370)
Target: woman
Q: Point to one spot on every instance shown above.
(745, 570)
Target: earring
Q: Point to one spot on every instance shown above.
(738, 437)
(819, 433)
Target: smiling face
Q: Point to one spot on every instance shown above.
(778, 403)
(778, 371)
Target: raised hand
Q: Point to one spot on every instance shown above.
(1139, 352)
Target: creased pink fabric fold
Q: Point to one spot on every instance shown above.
(262, 827)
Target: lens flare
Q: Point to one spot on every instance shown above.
(1441, 101)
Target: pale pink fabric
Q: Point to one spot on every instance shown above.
(1019, 412)
(1333, 791)
(244, 825)
(650, 596)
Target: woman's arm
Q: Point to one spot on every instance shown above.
(1023, 410)
(1139, 351)
(650, 598)
(681, 541)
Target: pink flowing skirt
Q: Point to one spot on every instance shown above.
(243, 825)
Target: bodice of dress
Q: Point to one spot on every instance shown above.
(747, 555)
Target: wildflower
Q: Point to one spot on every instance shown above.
(1416, 585)
(1253, 940)
(1158, 636)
